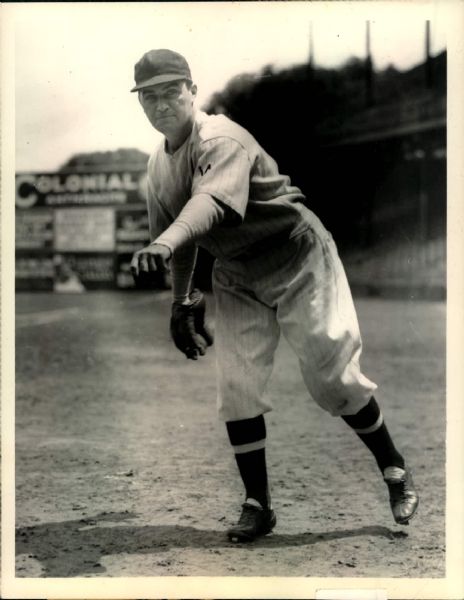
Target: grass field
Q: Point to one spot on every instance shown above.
(122, 467)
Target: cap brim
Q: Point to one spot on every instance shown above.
(158, 79)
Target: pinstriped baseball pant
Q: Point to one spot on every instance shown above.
(300, 290)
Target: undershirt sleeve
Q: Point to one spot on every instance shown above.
(158, 218)
(183, 264)
(199, 215)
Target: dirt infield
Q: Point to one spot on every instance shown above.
(123, 469)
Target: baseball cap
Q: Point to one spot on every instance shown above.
(160, 66)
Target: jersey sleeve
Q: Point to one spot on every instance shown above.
(222, 170)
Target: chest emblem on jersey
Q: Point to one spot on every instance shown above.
(205, 171)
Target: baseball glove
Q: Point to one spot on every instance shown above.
(188, 329)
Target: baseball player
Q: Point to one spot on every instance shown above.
(276, 271)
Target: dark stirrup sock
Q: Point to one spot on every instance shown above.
(368, 423)
(248, 439)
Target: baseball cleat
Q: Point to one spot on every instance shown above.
(404, 499)
(253, 522)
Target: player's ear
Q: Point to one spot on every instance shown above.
(193, 90)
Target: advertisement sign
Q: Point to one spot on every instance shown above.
(131, 235)
(124, 279)
(80, 189)
(90, 270)
(78, 231)
(131, 230)
(34, 229)
(84, 230)
(36, 267)
(34, 272)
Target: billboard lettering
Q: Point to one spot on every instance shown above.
(131, 230)
(55, 189)
(91, 269)
(31, 267)
(34, 229)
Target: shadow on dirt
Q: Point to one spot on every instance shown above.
(75, 548)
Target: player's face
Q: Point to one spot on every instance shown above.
(169, 106)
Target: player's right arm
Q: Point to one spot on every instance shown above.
(153, 257)
(174, 246)
(183, 260)
(220, 189)
(178, 241)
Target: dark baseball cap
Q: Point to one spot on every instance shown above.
(160, 66)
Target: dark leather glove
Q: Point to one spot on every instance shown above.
(188, 329)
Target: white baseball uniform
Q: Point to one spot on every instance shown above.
(276, 270)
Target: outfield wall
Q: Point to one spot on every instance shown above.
(77, 231)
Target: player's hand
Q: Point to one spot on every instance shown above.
(152, 258)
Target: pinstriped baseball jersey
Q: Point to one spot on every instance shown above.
(222, 159)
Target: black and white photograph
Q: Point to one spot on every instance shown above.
(231, 300)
